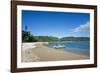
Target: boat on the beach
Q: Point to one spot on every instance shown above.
(59, 46)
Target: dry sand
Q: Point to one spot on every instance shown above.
(43, 53)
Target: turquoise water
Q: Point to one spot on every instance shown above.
(80, 47)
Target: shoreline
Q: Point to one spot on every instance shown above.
(38, 52)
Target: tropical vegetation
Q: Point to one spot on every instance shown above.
(28, 37)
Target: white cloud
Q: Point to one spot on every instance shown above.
(83, 27)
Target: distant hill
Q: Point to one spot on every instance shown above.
(75, 39)
(28, 37)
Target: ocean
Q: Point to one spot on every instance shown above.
(79, 47)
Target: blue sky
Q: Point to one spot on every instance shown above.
(58, 24)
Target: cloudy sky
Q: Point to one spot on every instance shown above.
(59, 24)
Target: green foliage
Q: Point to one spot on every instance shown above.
(28, 37)
(46, 38)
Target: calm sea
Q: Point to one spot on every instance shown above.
(80, 47)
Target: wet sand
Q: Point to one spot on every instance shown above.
(43, 53)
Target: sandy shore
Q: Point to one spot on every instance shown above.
(40, 52)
